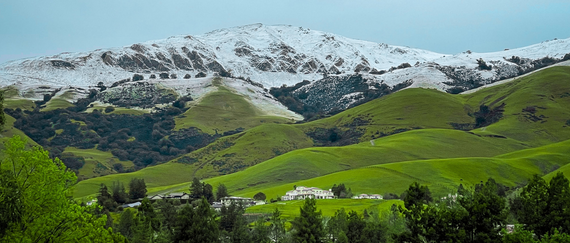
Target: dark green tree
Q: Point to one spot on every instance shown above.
(414, 203)
(146, 211)
(558, 202)
(240, 232)
(260, 232)
(229, 216)
(308, 226)
(276, 227)
(337, 225)
(137, 188)
(487, 213)
(534, 206)
(196, 225)
(356, 225)
(118, 192)
(167, 217)
(105, 199)
(208, 192)
(126, 223)
(221, 192)
(260, 196)
(196, 188)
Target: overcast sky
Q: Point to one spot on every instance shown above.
(37, 27)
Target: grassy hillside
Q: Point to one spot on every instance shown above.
(537, 107)
(404, 110)
(441, 175)
(313, 162)
(9, 131)
(224, 110)
(290, 209)
(521, 127)
(97, 162)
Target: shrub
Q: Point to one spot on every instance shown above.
(187, 76)
(164, 75)
(200, 75)
(137, 77)
(152, 76)
(173, 76)
(109, 109)
(483, 65)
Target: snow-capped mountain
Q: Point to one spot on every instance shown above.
(277, 55)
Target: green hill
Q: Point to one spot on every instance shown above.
(520, 127)
(441, 175)
(223, 110)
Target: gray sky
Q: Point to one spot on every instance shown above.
(38, 27)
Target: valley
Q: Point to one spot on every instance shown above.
(373, 130)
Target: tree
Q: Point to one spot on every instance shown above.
(337, 225)
(208, 192)
(534, 206)
(221, 192)
(46, 214)
(356, 227)
(105, 199)
(260, 196)
(118, 192)
(126, 223)
(137, 188)
(487, 213)
(196, 225)
(260, 231)
(308, 226)
(276, 227)
(558, 204)
(196, 188)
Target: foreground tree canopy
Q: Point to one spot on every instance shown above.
(35, 204)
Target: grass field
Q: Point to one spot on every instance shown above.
(441, 175)
(97, 163)
(8, 131)
(224, 110)
(290, 209)
(280, 155)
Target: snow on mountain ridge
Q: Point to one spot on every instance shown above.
(270, 55)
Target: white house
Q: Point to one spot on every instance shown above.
(227, 201)
(302, 192)
(366, 196)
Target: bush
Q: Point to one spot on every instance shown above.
(164, 75)
(152, 76)
(187, 76)
(109, 109)
(173, 76)
(200, 75)
(137, 77)
(483, 65)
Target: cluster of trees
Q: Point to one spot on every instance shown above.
(341, 191)
(144, 139)
(481, 215)
(110, 201)
(34, 202)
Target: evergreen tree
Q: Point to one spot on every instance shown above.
(240, 232)
(487, 213)
(146, 211)
(261, 231)
(196, 225)
(356, 227)
(276, 227)
(105, 199)
(558, 202)
(167, 217)
(208, 192)
(137, 188)
(308, 226)
(338, 224)
(196, 188)
(221, 192)
(126, 223)
(534, 206)
(118, 192)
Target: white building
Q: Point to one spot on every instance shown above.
(246, 202)
(366, 196)
(302, 192)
